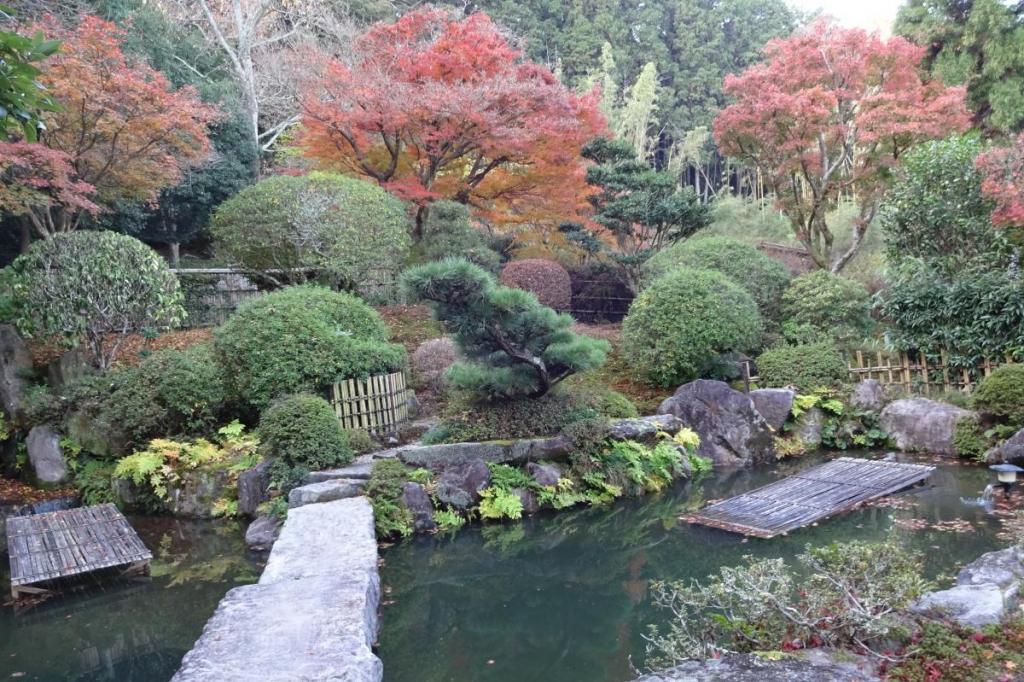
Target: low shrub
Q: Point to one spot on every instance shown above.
(360, 441)
(609, 403)
(1001, 394)
(969, 438)
(391, 518)
(947, 650)
(299, 339)
(467, 420)
(808, 367)
(683, 321)
(762, 277)
(93, 481)
(431, 360)
(447, 231)
(548, 280)
(837, 307)
(301, 433)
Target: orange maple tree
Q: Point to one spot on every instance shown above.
(434, 106)
(121, 133)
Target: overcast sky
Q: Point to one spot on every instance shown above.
(869, 14)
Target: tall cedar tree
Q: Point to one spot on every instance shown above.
(514, 345)
(644, 210)
(826, 116)
(121, 131)
(436, 107)
(1002, 170)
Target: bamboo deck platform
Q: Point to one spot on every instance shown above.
(810, 496)
(65, 544)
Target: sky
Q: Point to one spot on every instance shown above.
(870, 14)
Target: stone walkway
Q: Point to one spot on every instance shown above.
(313, 614)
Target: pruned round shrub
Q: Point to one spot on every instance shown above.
(283, 226)
(171, 392)
(806, 366)
(764, 278)
(301, 433)
(300, 339)
(684, 320)
(431, 360)
(836, 306)
(92, 287)
(548, 280)
(1001, 394)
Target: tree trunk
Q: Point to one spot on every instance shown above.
(175, 253)
(24, 234)
(421, 220)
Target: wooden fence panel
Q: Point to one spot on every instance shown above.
(918, 375)
(378, 404)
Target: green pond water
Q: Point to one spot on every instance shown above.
(129, 630)
(564, 597)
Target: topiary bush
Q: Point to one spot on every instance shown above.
(548, 280)
(91, 287)
(763, 278)
(299, 339)
(1001, 394)
(284, 226)
(807, 366)
(171, 392)
(835, 306)
(447, 231)
(302, 434)
(431, 360)
(683, 321)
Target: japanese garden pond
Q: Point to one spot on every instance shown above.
(565, 596)
(556, 597)
(134, 631)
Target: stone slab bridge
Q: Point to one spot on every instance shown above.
(313, 613)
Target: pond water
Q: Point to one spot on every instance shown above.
(130, 631)
(565, 596)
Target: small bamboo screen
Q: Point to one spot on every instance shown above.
(377, 404)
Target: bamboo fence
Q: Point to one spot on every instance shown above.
(378, 404)
(919, 375)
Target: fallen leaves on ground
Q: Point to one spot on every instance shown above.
(16, 492)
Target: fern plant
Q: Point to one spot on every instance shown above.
(496, 504)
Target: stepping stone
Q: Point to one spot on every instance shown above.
(325, 491)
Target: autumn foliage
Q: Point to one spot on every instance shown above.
(121, 134)
(1002, 171)
(436, 107)
(828, 115)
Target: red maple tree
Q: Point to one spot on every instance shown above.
(433, 106)
(827, 116)
(1002, 170)
(121, 134)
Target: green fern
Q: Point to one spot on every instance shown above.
(496, 504)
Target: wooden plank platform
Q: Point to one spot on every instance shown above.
(811, 495)
(68, 543)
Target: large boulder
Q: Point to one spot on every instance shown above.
(544, 474)
(808, 427)
(447, 455)
(262, 533)
(15, 365)
(325, 491)
(731, 431)
(45, 456)
(1004, 568)
(197, 493)
(868, 396)
(460, 486)
(800, 666)
(644, 429)
(974, 606)
(417, 501)
(774, 404)
(1012, 450)
(252, 488)
(922, 425)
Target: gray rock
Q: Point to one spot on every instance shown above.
(460, 486)
(45, 457)
(417, 501)
(325, 491)
(808, 427)
(262, 533)
(410, 432)
(360, 468)
(68, 367)
(95, 436)
(731, 431)
(531, 505)
(868, 396)
(15, 364)
(1011, 450)
(796, 667)
(644, 429)
(252, 488)
(446, 455)
(774, 404)
(1004, 569)
(544, 474)
(974, 606)
(922, 425)
(196, 493)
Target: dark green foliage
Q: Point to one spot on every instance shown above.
(447, 232)
(972, 314)
(684, 320)
(588, 436)
(22, 98)
(847, 429)
(808, 366)
(467, 420)
(384, 489)
(39, 405)
(301, 433)
(764, 278)
(969, 439)
(287, 229)
(1001, 394)
(513, 346)
(301, 339)
(172, 392)
(360, 441)
(955, 652)
(93, 481)
(834, 306)
(608, 403)
(935, 210)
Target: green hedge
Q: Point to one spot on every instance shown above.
(301, 433)
(1001, 394)
(830, 305)
(807, 366)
